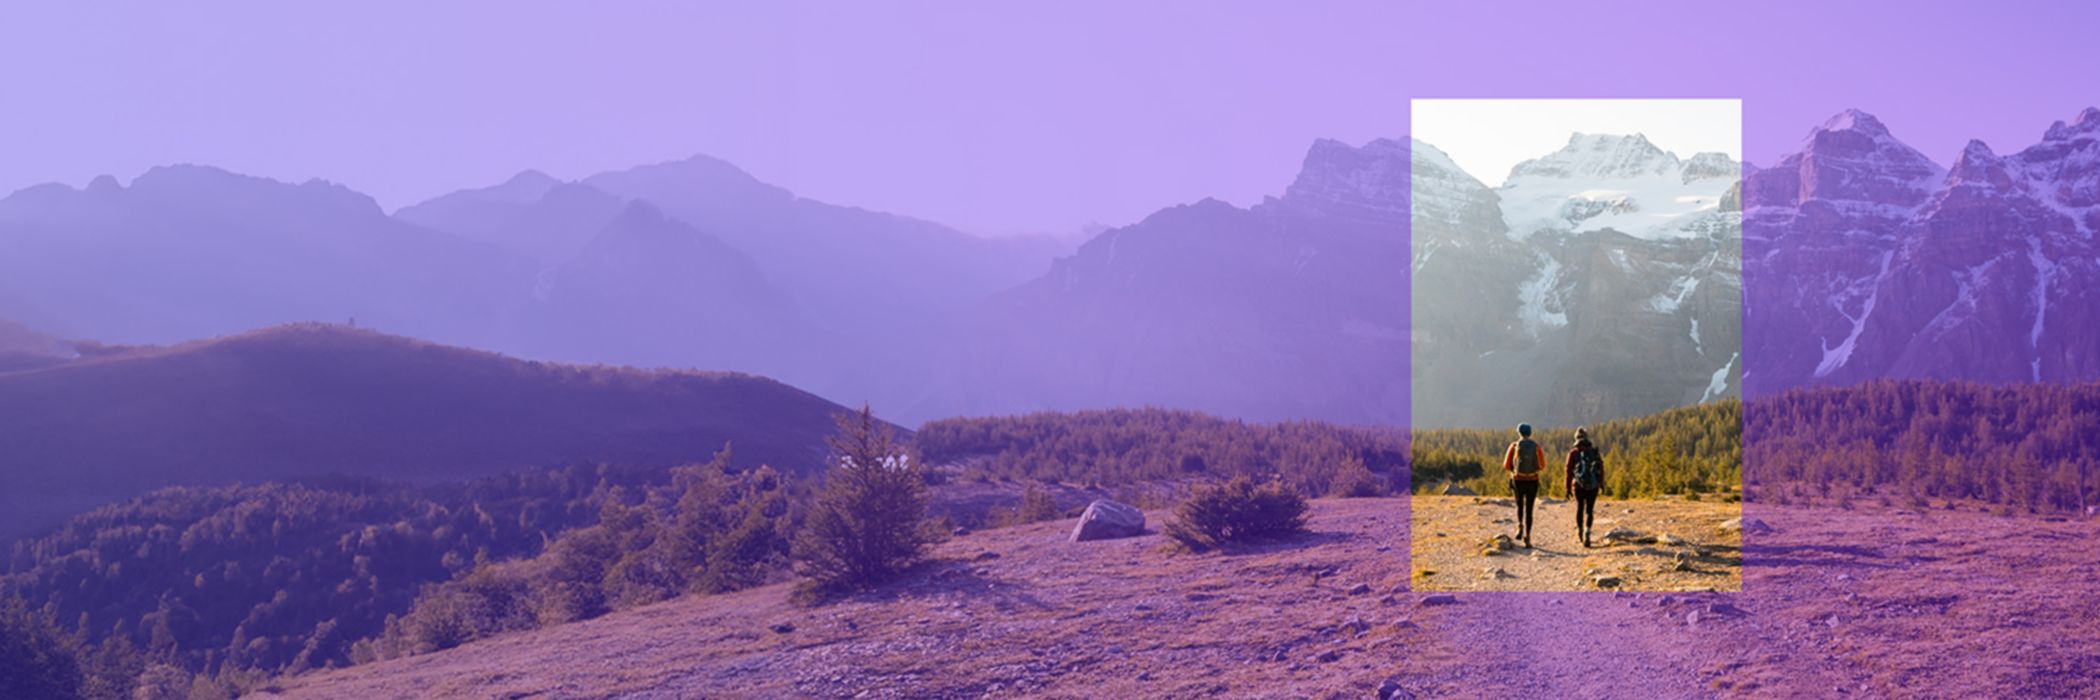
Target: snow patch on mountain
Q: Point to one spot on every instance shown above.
(1835, 357)
(1539, 298)
(1719, 385)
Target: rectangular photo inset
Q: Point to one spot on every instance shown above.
(1577, 345)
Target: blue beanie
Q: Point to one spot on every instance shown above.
(1524, 429)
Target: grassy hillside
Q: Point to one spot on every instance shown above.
(314, 399)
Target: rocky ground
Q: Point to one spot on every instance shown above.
(1869, 603)
(1463, 544)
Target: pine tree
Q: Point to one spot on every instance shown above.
(868, 524)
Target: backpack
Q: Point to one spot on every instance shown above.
(1527, 457)
(1589, 470)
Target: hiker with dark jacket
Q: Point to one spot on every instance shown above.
(1522, 462)
(1585, 479)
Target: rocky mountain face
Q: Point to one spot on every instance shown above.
(1870, 261)
(1600, 281)
(1291, 309)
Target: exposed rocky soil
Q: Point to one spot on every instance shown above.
(1868, 603)
(1646, 545)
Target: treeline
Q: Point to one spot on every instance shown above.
(2030, 447)
(707, 530)
(1691, 450)
(231, 584)
(1125, 447)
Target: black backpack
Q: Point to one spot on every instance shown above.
(1589, 470)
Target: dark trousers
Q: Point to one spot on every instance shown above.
(1585, 508)
(1527, 498)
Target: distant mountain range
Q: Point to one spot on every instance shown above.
(1600, 281)
(1858, 258)
(315, 399)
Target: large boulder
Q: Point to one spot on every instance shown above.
(1106, 520)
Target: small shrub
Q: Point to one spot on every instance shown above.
(1237, 511)
(1356, 480)
(870, 521)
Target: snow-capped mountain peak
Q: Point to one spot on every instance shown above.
(1620, 182)
(1592, 156)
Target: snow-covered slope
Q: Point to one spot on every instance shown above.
(1622, 183)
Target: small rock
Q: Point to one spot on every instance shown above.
(1199, 597)
(1746, 525)
(1724, 610)
(961, 531)
(1360, 589)
(1105, 519)
(1440, 599)
(783, 628)
(1355, 627)
(1495, 573)
(1606, 581)
(1405, 624)
(1390, 689)
(1389, 600)
(987, 556)
(1669, 540)
(1144, 676)
(1691, 618)
(1329, 656)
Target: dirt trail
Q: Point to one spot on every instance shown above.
(1452, 536)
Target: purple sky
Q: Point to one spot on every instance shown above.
(989, 116)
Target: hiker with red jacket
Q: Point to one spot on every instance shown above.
(1585, 478)
(1522, 462)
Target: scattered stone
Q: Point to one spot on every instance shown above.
(1360, 589)
(1497, 545)
(961, 531)
(1199, 597)
(1691, 618)
(1453, 489)
(1405, 624)
(1628, 535)
(1495, 573)
(1390, 689)
(1669, 540)
(1683, 563)
(987, 556)
(1606, 581)
(1389, 600)
(1329, 656)
(1355, 627)
(1746, 525)
(783, 628)
(1143, 676)
(1724, 610)
(1440, 599)
(1105, 519)
(1384, 548)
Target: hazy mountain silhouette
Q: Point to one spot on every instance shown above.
(190, 251)
(316, 399)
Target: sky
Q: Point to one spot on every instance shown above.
(1488, 137)
(993, 117)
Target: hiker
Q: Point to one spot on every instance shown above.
(1522, 462)
(1585, 478)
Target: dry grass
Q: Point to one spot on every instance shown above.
(1946, 604)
